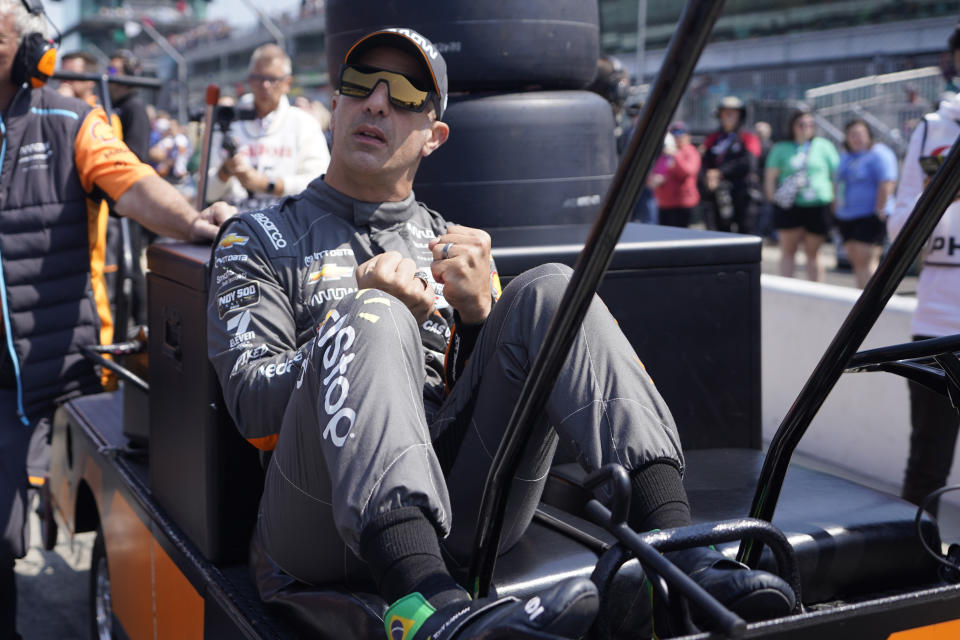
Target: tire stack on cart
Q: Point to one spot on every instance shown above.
(527, 146)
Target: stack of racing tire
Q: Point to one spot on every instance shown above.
(527, 145)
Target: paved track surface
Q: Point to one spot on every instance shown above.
(52, 588)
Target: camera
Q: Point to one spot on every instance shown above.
(223, 117)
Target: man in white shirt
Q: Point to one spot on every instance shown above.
(934, 421)
(279, 152)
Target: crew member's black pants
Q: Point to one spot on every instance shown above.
(16, 440)
(934, 423)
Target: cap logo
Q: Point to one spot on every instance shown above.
(426, 46)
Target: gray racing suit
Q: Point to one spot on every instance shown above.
(366, 411)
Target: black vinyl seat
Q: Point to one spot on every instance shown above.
(848, 539)
(540, 559)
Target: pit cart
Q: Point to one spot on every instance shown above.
(160, 473)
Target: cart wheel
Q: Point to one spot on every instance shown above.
(48, 525)
(103, 624)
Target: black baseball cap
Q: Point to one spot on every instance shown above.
(415, 44)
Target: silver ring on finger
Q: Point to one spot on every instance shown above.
(445, 253)
(422, 277)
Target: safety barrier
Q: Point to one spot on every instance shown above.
(863, 428)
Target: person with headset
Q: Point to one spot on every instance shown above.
(60, 154)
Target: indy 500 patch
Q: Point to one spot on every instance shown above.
(246, 295)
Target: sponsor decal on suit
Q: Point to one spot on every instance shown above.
(239, 297)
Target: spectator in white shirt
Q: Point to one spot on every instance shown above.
(275, 154)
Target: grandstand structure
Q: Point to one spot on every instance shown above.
(761, 50)
(104, 26)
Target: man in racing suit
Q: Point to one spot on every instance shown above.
(364, 340)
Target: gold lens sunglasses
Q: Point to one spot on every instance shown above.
(359, 81)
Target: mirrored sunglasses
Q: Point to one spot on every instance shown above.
(359, 81)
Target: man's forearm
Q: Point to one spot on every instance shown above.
(155, 204)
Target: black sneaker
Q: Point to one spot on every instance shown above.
(750, 593)
(566, 610)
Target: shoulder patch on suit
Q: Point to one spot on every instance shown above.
(270, 228)
(240, 297)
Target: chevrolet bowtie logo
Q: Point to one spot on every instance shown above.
(331, 272)
(231, 239)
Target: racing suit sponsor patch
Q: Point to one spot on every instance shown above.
(338, 339)
(320, 255)
(276, 238)
(229, 276)
(238, 325)
(330, 271)
(231, 239)
(421, 233)
(233, 257)
(334, 293)
(240, 297)
(439, 328)
(268, 371)
(247, 356)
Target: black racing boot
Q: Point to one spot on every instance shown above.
(566, 610)
(751, 594)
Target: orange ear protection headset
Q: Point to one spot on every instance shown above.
(36, 58)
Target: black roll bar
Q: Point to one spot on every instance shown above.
(910, 350)
(687, 43)
(923, 219)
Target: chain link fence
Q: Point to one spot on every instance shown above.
(891, 103)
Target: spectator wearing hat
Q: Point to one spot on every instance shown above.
(674, 178)
(728, 175)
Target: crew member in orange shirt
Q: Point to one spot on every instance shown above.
(60, 157)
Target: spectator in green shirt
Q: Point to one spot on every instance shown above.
(798, 180)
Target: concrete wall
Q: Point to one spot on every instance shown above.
(864, 424)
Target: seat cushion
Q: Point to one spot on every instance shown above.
(849, 539)
(540, 559)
